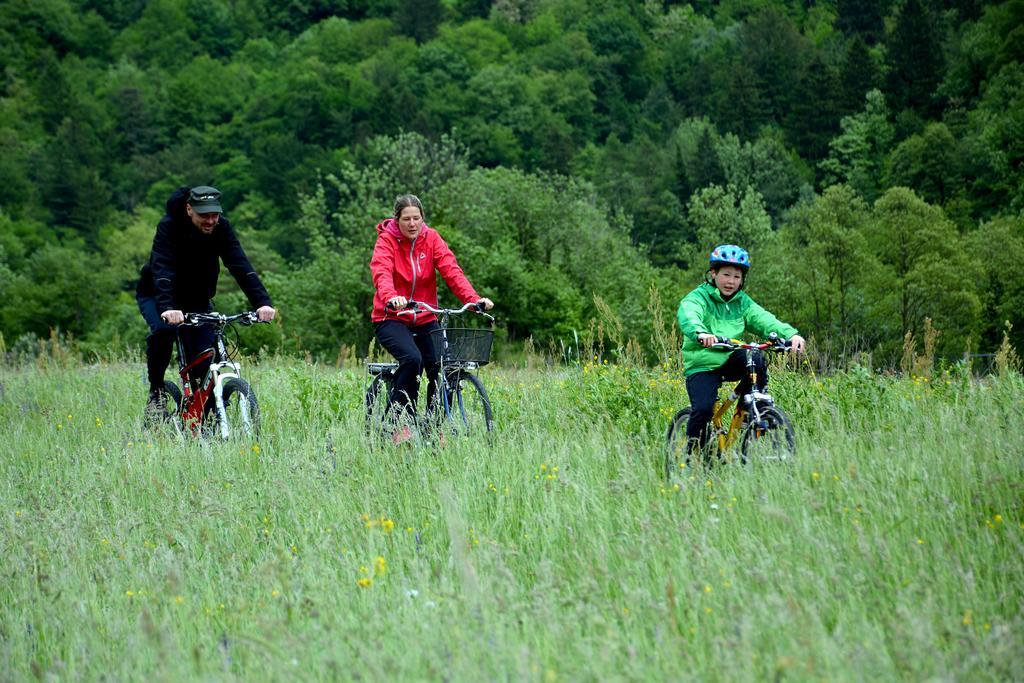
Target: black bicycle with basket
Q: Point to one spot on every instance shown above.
(461, 404)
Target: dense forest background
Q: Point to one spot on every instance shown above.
(576, 155)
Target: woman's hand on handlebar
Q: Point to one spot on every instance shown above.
(397, 303)
(707, 340)
(486, 303)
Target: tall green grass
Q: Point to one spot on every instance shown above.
(891, 549)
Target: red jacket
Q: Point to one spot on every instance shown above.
(403, 268)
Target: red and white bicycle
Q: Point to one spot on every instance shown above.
(222, 403)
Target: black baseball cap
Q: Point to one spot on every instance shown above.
(205, 199)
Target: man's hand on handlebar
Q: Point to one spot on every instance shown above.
(173, 317)
(265, 314)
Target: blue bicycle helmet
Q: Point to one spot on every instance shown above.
(729, 255)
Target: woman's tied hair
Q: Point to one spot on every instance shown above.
(404, 201)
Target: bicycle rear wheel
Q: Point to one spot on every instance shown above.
(466, 404)
(241, 411)
(676, 445)
(376, 406)
(769, 439)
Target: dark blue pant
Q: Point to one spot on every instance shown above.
(160, 343)
(702, 388)
(414, 350)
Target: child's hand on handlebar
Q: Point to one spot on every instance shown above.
(707, 340)
(797, 343)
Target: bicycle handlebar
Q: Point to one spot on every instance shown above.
(414, 307)
(214, 318)
(774, 343)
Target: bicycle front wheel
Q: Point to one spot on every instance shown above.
(769, 439)
(241, 411)
(173, 394)
(466, 404)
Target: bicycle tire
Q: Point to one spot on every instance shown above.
(676, 445)
(241, 410)
(467, 406)
(174, 393)
(769, 439)
(376, 406)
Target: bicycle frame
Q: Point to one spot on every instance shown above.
(753, 399)
(446, 387)
(194, 402)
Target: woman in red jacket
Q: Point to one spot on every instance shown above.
(404, 264)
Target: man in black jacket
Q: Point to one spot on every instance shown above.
(191, 240)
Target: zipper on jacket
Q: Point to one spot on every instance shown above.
(412, 262)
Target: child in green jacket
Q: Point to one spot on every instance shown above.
(717, 308)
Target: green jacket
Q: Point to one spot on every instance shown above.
(704, 311)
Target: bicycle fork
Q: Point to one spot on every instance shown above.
(219, 378)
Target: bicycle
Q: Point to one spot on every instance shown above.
(461, 400)
(764, 431)
(222, 401)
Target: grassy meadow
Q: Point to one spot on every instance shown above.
(890, 549)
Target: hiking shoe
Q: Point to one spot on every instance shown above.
(401, 435)
(156, 408)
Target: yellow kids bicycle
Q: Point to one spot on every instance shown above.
(762, 431)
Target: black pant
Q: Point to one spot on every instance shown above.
(160, 343)
(702, 388)
(414, 350)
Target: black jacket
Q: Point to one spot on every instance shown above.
(184, 265)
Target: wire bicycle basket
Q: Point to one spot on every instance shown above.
(464, 344)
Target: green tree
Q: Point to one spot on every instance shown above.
(927, 271)
(859, 74)
(743, 106)
(999, 246)
(706, 166)
(929, 163)
(519, 237)
(765, 165)
(813, 118)
(775, 51)
(59, 288)
(831, 261)
(728, 215)
(914, 56)
(419, 19)
(862, 18)
(857, 155)
(995, 145)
